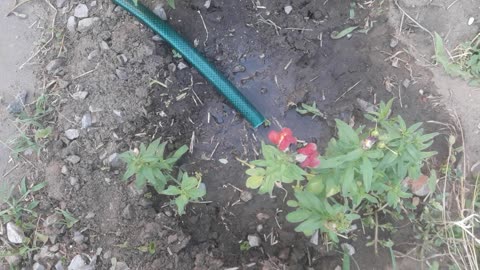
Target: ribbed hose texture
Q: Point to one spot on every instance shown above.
(189, 53)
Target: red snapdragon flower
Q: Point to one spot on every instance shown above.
(282, 138)
(308, 156)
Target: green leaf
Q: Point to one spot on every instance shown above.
(180, 152)
(188, 182)
(23, 186)
(432, 181)
(181, 202)
(254, 181)
(348, 181)
(172, 191)
(298, 215)
(346, 133)
(344, 32)
(292, 203)
(38, 187)
(135, 2)
(43, 133)
(70, 220)
(171, 3)
(367, 172)
(255, 171)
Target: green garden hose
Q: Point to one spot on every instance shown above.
(189, 53)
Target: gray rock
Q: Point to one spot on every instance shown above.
(77, 263)
(17, 105)
(93, 55)
(54, 248)
(64, 170)
(254, 240)
(86, 24)
(182, 66)
(114, 161)
(157, 38)
(160, 12)
(60, 3)
(55, 66)
(73, 159)
(245, 196)
(38, 266)
(15, 234)
(59, 265)
(43, 254)
(172, 67)
(86, 120)
(121, 266)
(93, 3)
(121, 74)
(72, 134)
(81, 11)
(80, 95)
(78, 238)
(238, 69)
(73, 181)
(122, 59)
(127, 212)
(406, 83)
(393, 43)
(71, 24)
(288, 9)
(104, 45)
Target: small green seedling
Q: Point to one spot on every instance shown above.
(21, 210)
(310, 109)
(189, 189)
(176, 54)
(244, 246)
(69, 219)
(277, 166)
(150, 248)
(150, 166)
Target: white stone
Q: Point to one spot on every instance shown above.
(81, 11)
(14, 234)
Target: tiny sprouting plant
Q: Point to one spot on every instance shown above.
(310, 109)
(186, 189)
(362, 169)
(464, 62)
(20, 211)
(68, 219)
(149, 164)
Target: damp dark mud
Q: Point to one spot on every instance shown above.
(278, 61)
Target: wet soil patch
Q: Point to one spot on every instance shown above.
(139, 91)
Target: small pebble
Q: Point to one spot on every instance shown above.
(288, 9)
(181, 66)
(471, 20)
(254, 240)
(72, 134)
(81, 11)
(80, 95)
(73, 159)
(160, 12)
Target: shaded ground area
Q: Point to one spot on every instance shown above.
(104, 66)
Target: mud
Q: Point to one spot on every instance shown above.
(284, 66)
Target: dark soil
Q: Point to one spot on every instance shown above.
(297, 62)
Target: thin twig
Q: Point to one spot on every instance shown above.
(16, 6)
(413, 20)
(204, 26)
(348, 90)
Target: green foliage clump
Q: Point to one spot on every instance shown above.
(360, 171)
(150, 166)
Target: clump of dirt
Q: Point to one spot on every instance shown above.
(118, 85)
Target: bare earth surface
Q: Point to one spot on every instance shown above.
(99, 68)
